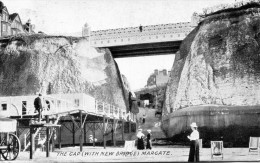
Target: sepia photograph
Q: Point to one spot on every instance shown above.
(129, 81)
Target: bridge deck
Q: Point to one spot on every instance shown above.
(148, 40)
(147, 49)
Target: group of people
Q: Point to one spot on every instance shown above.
(141, 140)
(193, 137)
(142, 119)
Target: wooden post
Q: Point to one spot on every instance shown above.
(123, 129)
(94, 134)
(47, 119)
(112, 134)
(48, 137)
(25, 140)
(130, 130)
(115, 132)
(60, 137)
(81, 134)
(73, 133)
(31, 141)
(47, 142)
(52, 139)
(104, 129)
(85, 133)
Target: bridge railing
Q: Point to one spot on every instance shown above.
(136, 30)
(142, 34)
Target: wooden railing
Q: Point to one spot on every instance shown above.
(54, 105)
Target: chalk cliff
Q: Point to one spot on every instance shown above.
(57, 64)
(217, 73)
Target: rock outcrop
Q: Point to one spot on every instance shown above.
(57, 64)
(217, 70)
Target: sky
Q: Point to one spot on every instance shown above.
(68, 17)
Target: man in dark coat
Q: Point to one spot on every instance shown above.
(38, 105)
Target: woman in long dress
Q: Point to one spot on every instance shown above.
(194, 143)
(140, 139)
(148, 140)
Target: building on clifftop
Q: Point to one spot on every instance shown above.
(86, 30)
(16, 24)
(11, 24)
(5, 22)
(158, 78)
(28, 27)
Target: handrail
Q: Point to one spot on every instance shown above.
(16, 109)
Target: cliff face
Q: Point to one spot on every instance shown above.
(218, 64)
(52, 64)
(221, 65)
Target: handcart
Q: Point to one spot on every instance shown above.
(9, 142)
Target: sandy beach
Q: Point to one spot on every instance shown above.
(116, 154)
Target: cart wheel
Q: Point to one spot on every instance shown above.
(13, 148)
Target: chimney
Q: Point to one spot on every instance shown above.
(156, 72)
(86, 30)
(29, 26)
(164, 72)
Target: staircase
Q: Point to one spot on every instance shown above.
(23, 136)
(151, 122)
(40, 134)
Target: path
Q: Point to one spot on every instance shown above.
(153, 123)
(167, 153)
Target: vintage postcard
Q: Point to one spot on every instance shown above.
(129, 80)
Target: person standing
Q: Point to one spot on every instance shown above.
(140, 139)
(194, 143)
(144, 116)
(140, 28)
(38, 105)
(141, 120)
(148, 140)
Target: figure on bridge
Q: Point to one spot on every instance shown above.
(141, 28)
(38, 105)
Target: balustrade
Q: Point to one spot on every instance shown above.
(57, 104)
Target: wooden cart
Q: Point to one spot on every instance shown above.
(9, 142)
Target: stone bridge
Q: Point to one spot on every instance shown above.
(140, 41)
